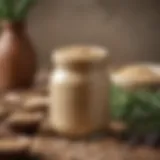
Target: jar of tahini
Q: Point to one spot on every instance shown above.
(79, 87)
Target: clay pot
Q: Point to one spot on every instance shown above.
(17, 57)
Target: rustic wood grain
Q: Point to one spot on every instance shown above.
(27, 107)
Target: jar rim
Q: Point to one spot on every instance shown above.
(80, 54)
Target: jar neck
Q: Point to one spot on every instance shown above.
(74, 67)
(17, 27)
(81, 67)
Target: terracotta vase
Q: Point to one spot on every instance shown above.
(17, 57)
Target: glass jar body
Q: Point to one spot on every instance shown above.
(78, 99)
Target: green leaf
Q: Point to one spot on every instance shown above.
(10, 8)
(119, 101)
(15, 10)
(140, 109)
(22, 8)
(4, 9)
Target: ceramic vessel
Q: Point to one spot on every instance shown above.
(139, 75)
(78, 90)
(17, 57)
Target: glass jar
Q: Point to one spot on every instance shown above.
(78, 90)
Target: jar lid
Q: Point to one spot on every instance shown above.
(80, 54)
(135, 75)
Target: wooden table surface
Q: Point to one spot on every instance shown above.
(104, 149)
(51, 147)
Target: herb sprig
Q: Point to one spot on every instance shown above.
(140, 109)
(15, 10)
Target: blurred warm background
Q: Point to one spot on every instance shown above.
(131, 31)
(129, 28)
